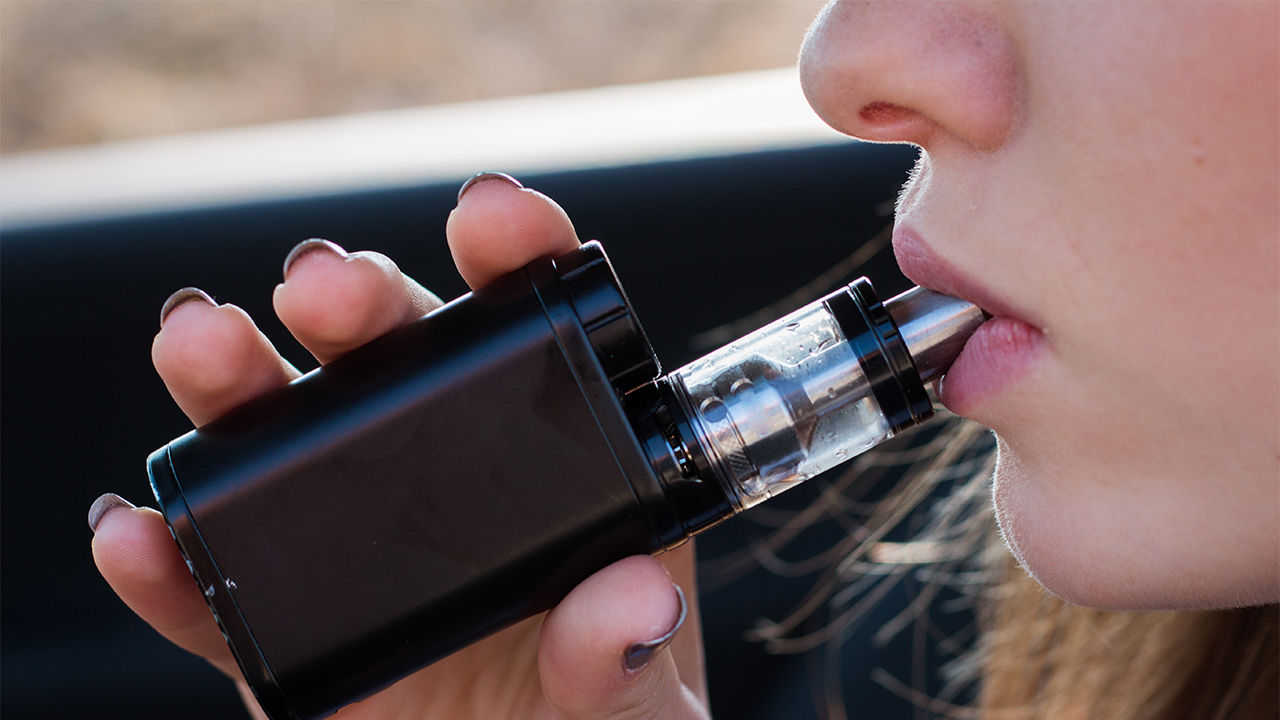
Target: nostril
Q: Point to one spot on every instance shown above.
(883, 113)
(887, 122)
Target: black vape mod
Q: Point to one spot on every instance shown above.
(466, 471)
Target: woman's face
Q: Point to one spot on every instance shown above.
(1103, 178)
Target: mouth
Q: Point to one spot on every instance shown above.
(1001, 351)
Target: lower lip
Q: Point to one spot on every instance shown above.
(1000, 352)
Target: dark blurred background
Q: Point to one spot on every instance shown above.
(705, 246)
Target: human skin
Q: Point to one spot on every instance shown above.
(1105, 174)
(565, 664)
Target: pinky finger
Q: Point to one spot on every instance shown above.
(136, 555)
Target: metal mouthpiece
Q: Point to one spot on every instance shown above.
(934, 327)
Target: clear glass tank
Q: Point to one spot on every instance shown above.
(782, 404)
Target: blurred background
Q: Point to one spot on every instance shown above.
(81, 81)
(88, 71)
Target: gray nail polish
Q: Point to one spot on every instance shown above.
(484, 177)
(638, 655)
(307, 246)
(103, 505)
(181, 296)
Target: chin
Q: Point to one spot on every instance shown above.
(1076, 554)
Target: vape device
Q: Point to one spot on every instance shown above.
(467, 470)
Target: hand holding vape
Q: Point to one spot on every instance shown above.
(467, 470)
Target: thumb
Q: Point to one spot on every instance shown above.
(604, 650)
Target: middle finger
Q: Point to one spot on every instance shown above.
(334, 301)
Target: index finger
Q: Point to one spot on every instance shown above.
(499, 226)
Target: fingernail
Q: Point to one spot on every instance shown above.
(638, 655)
(485, 177)
(104, 505)
(307, 246)
(181, 296)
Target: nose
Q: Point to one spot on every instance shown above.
(914, 72)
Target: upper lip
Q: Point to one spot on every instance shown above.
(924, 267)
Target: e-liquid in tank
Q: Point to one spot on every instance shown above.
(467, 470)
